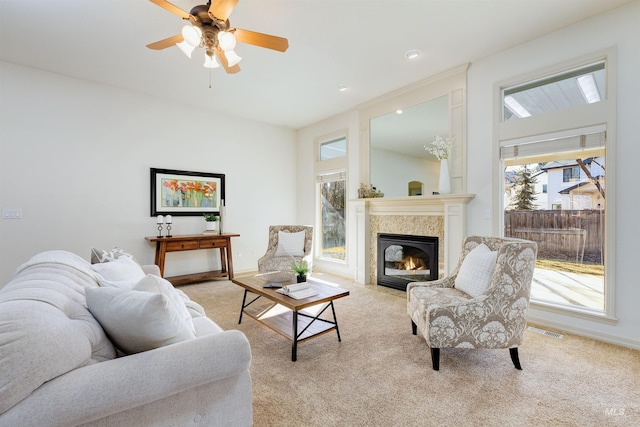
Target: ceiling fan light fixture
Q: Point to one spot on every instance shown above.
(232, 57)
(186, 48)
(211, 62)
(226, 40)
(192, 35)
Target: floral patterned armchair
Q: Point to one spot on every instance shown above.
(274, 261)
(448, 317)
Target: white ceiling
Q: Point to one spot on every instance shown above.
(360, 43)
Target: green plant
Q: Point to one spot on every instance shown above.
(209, 217)
(301, 268)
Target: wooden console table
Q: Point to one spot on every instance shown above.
(193, 242)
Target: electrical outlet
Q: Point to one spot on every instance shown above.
(12, 213)
(487, 214)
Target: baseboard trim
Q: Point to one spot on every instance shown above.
(587, 333)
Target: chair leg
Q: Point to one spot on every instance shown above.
(435, 358)
(414, 328)
(514, 357)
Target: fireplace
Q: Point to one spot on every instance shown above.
(404, 258)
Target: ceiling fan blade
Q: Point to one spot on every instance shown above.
(171, 8)
(225, 64)
(262, 40)
(168, 42)
(221, 9)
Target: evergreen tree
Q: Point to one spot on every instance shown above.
(525, 190)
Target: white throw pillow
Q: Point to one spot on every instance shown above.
(153, 283)
(476, 270)
(290, 244)
(122, 269)
(137, 321)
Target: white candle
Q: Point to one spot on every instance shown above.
(159, 219)
(168, 219)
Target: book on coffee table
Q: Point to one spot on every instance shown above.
(298, 291)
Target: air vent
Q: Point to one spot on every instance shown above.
(543, 332)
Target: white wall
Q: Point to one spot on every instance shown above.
(398, 170)
(617, 28)
(75, 157)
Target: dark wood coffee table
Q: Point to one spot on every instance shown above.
(284, 314)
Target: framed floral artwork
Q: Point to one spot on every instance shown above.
(184, 193)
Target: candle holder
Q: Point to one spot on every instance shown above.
(168, 220)
(159, 230)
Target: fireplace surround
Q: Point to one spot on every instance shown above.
(444, 216)
(404, 258)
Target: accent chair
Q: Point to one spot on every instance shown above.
(482, 304)
(287, 243)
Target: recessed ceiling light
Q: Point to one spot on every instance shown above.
(412, 54)
(399, 111)
(342, 88)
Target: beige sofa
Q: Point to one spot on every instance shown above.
(59, 368)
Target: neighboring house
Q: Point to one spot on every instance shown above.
(562, 185)
(569, 186)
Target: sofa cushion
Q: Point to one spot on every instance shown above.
(31, 332)
(476, 270)
(137, 321)
(290, 244)
(43, 313)
(123, 269)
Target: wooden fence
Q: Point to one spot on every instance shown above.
(561, 234)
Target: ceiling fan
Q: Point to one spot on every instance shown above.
(210, 29)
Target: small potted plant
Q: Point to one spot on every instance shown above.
(301, 268)
(211, 220)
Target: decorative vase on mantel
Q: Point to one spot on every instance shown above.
(445, 183)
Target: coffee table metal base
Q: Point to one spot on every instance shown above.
(293, 324)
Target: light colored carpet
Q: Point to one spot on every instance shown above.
(380, 374)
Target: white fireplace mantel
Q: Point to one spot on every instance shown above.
(453, 207)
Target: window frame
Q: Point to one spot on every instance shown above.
(602, 113)
(336, 165)
(571, 176)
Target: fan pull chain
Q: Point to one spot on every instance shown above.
(209, 78)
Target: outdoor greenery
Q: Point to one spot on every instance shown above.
(525, 195)
(333, 222)
(570, 267)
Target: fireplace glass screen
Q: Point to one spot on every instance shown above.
(406, 258)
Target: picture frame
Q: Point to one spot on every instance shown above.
(186, 193)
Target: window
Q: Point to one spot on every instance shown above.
(583, 85)
(554, 181)
(332, 215)
(566, 224)
(333, 149)
(331, 177)
(571, 174)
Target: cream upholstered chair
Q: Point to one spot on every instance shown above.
(457, 312)
(287, 243)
